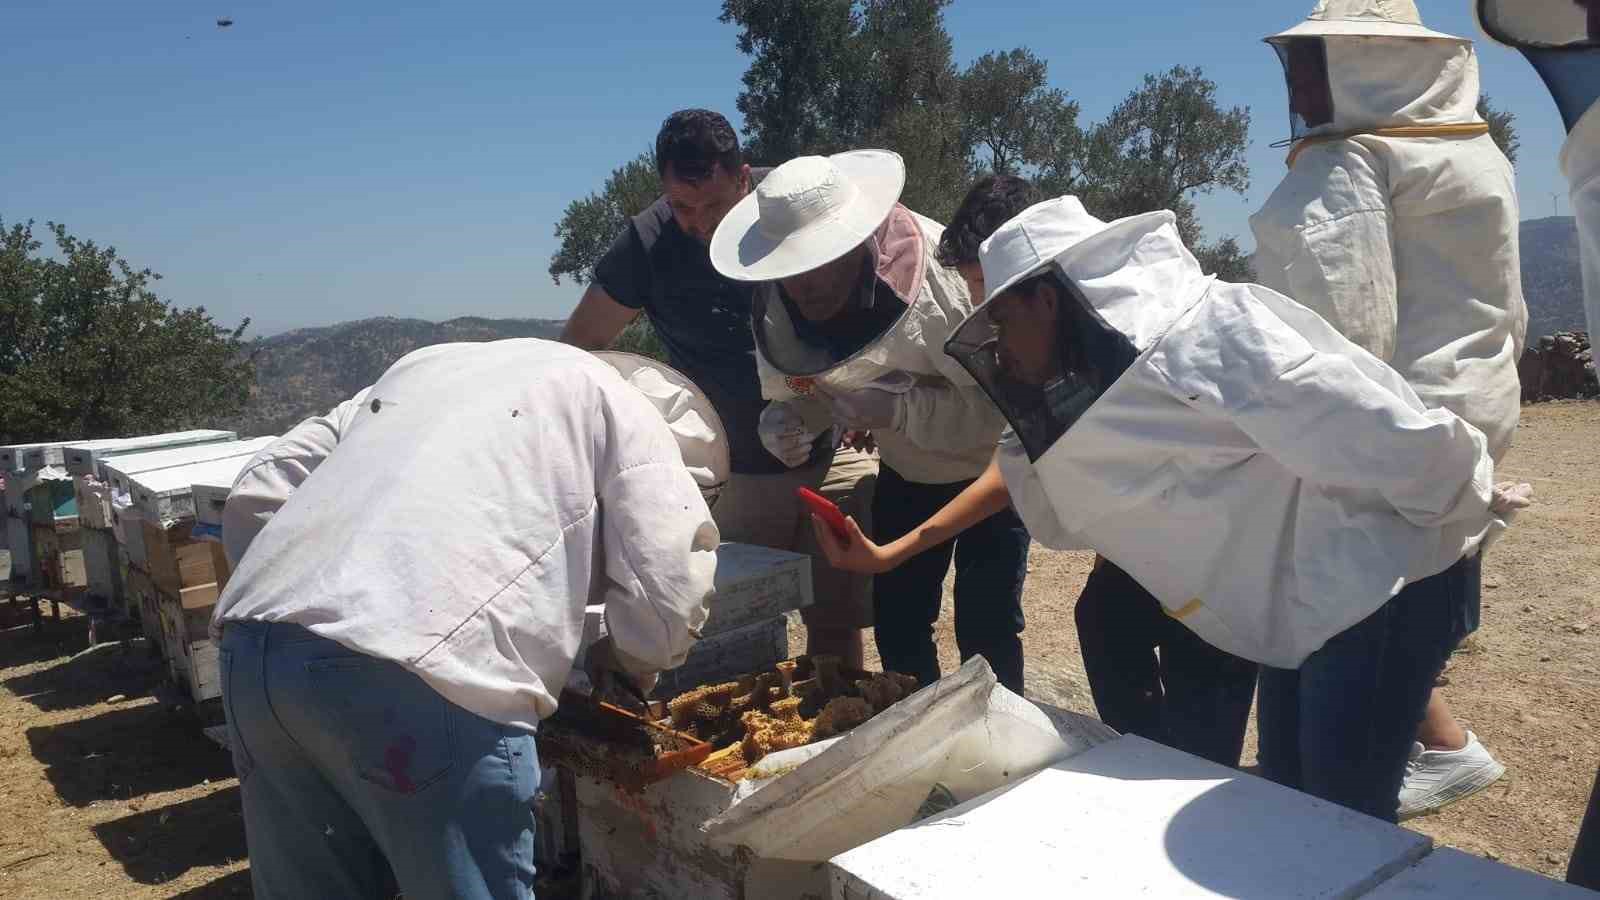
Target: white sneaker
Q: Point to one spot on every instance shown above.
(1437, 778)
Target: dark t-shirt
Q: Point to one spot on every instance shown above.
(702, 318)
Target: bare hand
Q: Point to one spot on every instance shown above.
(860, 555)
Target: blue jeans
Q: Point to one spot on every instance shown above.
(991, 561)
(357, 778)
(1189, 695)
(1341, 726)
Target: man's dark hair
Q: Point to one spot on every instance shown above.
(993, 201)
(693, 142)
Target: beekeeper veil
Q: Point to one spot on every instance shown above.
(694, 422)
(1039, 348)
(1360, 65)
(806, 214)
(1546, 24)
(1561, 38)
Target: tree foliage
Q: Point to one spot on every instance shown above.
(589, 225)
(833, 75)
(1502, 127)
(88, 350)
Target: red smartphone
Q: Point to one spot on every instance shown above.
(827, 510)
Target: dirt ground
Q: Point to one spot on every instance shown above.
(105, 792)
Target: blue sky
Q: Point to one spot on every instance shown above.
(320, 162)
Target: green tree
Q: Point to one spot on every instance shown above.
(1015, 118)
(833, 75)
(589, 225)
(1167, 143)
(88, 350)
(1502, 127)
(805, 89)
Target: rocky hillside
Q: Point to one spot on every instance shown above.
(303, 372)
(1552, 280)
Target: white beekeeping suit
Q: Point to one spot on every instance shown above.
(461, 517)
(1266, 480)
(1398, 219)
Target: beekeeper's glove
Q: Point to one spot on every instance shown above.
(609, 676)
(869, 408)
(785, 434)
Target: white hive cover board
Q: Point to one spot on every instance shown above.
(80, 458)
(167, 494)
(1131, 818)
(118, 469)
(11, 456)
(1452, 875)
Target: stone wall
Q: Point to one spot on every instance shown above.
(1558, 366)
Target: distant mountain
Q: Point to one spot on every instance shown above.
(310, 370)
(1552, 282)
(1552, 279)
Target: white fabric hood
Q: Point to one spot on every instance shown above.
(1398, 82)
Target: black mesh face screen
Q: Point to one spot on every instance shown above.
(1305, 70)
(1093, 356)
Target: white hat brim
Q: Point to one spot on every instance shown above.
(741, 252)
(1357, 28)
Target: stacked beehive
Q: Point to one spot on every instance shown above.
(171, 575)
(102, 556)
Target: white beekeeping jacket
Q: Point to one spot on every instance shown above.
(477, 499)
(1271, 483)
(1398, 223)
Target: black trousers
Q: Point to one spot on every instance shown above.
(1584, 868)
(991, 561)
(1153, 677)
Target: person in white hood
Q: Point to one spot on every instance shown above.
(412, 608)
(850, 312)
(1398, 223)
(1279, 490)
(1561, 38)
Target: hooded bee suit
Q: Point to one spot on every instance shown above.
(1561, 38)
(1268, 481)
(1398, 219)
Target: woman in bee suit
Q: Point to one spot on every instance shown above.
(850, 313)
(1280, 491)
(1398, 223)
(1561, 38)
(393, 635)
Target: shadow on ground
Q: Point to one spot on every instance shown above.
(127, 753)
(90, 676)
(236, 884)
(159, 845)
(20, 645)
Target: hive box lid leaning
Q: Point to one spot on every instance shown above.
(166, 495)
(118, 469)
(80, 458)
(1132, 818)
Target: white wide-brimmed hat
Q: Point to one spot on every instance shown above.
(807, 213)
(702, 441)
(1364, 18)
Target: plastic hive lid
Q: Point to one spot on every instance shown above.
(80, 458)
